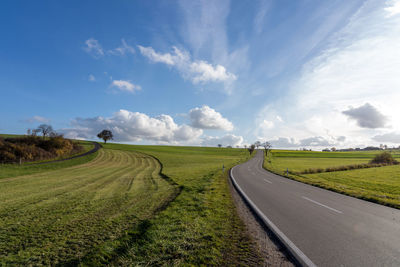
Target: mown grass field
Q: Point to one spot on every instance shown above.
(116, 208)
(380, 185)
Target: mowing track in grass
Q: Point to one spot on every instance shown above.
(60, 216)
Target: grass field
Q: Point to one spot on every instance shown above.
(116, 209)
(59, 217)
(380, 185)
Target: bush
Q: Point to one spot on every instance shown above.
(31, 148)
(384, 158)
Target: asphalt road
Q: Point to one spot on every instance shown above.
(329, 228)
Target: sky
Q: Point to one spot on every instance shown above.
(299, 74)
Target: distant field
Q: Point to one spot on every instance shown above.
(381, 185)
(115, 209)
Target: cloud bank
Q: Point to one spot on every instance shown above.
(134, 126)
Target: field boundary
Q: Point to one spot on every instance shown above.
(293, 250)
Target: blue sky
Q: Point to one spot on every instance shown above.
(296, 73)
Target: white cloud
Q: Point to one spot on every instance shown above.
(134, 126)
(122, 50)
(94, 48)
(366, 116)
(91, 78)
(226, 140)
(207, 118)
(393, 8)
(37, 119)
(360, 65)
(126, 86)
(197, 71)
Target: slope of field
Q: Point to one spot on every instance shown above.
(61, 216)
(201, 226)
(381, 185)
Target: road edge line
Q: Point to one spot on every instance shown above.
(298, 255)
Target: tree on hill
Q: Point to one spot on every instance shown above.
(45, 129)
(105, 135)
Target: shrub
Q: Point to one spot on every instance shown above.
(384, 158)
(30, 148)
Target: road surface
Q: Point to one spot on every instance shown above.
(331, 229)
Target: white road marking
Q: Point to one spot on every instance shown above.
(313, 201)
(268, 181)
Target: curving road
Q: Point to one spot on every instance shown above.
(330, 229)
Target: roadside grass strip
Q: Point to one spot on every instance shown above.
(67, 215)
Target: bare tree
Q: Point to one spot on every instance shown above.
(105, 135)
(45, 129)
(257, 144)
(267, 146)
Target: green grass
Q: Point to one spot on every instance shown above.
(380, 185)
(200, 227)
(118, 209)
(59, 217)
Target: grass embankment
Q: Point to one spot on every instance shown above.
(200, 227)
(117, 209)
(61, 216)
(13, 170)
(380, 185)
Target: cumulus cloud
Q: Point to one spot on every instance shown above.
(134, 126)
(197, 71)
(122, 50)
(94, 48)
(92, 78)
(126, 86)
(366, 116)
(226, 140)
(207, 118)
(37, 119)
(392, 137)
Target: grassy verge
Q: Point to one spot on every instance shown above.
(380, 185)
(201, 226)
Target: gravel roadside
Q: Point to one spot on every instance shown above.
(272, 252)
